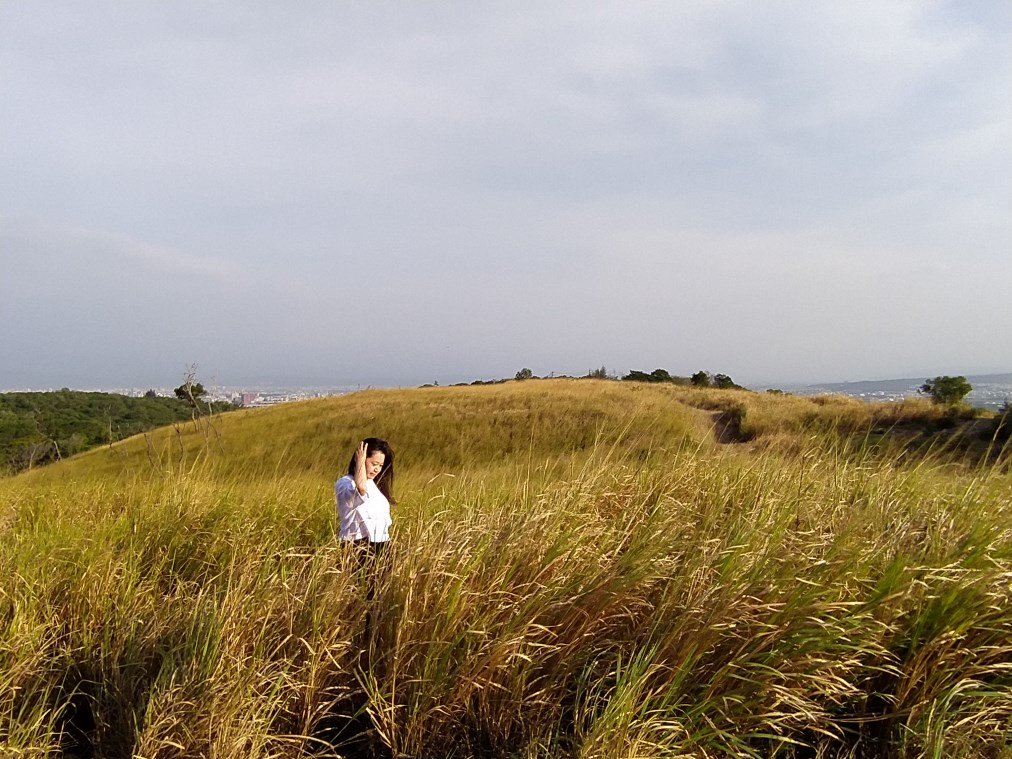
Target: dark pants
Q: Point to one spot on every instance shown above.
(367, 554)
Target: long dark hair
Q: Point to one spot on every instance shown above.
(385, 479)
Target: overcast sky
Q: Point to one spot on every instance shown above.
(396, 193)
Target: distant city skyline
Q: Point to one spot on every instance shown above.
(395, 194)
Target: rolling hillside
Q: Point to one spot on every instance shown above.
(464, 428)
(432, 430)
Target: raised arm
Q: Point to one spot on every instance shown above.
(360, 476)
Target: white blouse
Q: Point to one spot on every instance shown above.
(362, 516)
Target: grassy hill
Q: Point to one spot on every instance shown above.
(473, 427)
(579, 569)
(432, 430)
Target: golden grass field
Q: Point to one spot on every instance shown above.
(578, 569)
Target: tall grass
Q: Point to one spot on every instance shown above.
(642, 594)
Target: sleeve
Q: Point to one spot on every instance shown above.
(346, 489)
(348, 495)
(348, 501)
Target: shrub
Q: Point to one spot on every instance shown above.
(657, 375)
(724, 382)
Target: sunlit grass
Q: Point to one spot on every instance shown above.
(590, 575)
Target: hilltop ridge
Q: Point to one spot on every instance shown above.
(461, 427)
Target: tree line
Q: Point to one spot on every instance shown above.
(38, 428)
(699, 379)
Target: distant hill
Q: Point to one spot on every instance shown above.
(989, 390)
(38, 428)
(903, 383)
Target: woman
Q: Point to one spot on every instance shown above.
(365, 494)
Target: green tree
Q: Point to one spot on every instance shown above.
(524, 374)
(190, 392)
(700, 379)
(724, 382)
(657, 375)
(946, 390)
